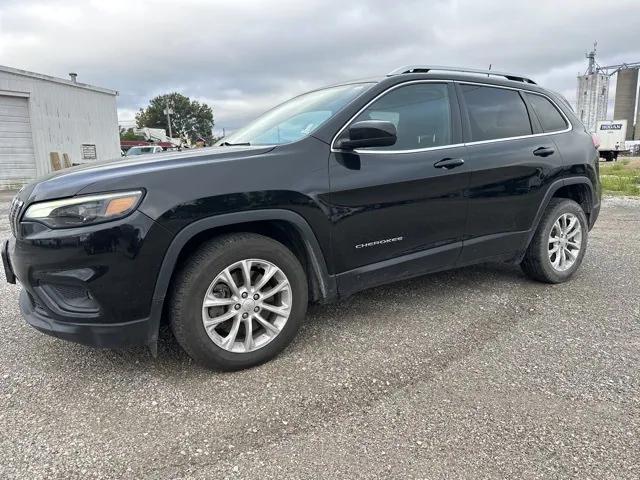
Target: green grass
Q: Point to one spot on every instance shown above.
(621, 178)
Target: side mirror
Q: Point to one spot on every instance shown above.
(369, 133)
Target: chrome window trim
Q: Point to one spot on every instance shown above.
(455, 145)
(415, 150)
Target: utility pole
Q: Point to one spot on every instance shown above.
(168, 111)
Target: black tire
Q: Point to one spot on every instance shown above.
(536, 263)
(194, 278)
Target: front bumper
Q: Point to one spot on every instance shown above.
(6, 263)
(91, 285)
(107, 335)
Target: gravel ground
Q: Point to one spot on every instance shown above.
(474, 373)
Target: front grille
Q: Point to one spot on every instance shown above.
(70, 293)
(70, 298)
(14, 215)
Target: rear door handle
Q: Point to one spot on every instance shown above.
(449, 163)
(543, 152)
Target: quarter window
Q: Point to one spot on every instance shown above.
(550, 118)
(495, 113)
(421, 113)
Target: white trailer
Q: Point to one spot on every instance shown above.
(611, 136)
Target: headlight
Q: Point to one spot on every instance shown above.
(83, 210)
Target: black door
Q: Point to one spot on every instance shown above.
(512, 161)
(399, 211)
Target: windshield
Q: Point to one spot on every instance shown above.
(296, 118)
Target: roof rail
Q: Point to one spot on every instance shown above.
(428, 68)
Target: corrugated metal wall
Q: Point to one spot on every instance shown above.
(64, 117)
(591, 99)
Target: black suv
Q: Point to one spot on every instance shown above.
(332, 192)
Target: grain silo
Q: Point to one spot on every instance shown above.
(592, 95)
(626, 94)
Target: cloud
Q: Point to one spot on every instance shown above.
(243, 57)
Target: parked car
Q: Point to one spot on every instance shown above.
(143, 150)
(335, 191)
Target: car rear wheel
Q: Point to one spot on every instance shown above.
(559, 244)
(238, 301)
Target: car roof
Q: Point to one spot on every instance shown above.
(474, 71)
(412, 73)
(464, 77)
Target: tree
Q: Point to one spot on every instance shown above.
(190, 118)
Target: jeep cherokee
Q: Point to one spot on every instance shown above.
(337, 190)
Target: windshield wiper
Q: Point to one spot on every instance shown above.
(228, 144)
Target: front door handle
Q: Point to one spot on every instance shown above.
(543, 152)
(449, 163)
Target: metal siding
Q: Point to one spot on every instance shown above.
(625, 103)
(17, 161)
(591, 100)
(63, 117)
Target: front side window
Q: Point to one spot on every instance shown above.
(421, 113)
(495, 113)
(550, 118)
(297, 118)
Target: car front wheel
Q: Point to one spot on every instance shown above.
(238, 301)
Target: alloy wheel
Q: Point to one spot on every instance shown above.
(247, 305)
(565, 242)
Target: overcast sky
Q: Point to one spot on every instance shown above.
(242, 57)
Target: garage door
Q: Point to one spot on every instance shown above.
(17, 161)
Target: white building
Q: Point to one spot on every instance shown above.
(41, 115)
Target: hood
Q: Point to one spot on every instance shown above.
(71, 181)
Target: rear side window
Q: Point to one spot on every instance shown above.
(495, 113)
(549, 116)
(421, 113)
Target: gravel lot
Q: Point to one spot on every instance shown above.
(475, 373)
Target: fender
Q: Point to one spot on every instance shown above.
(553, 188)
(326, 283)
